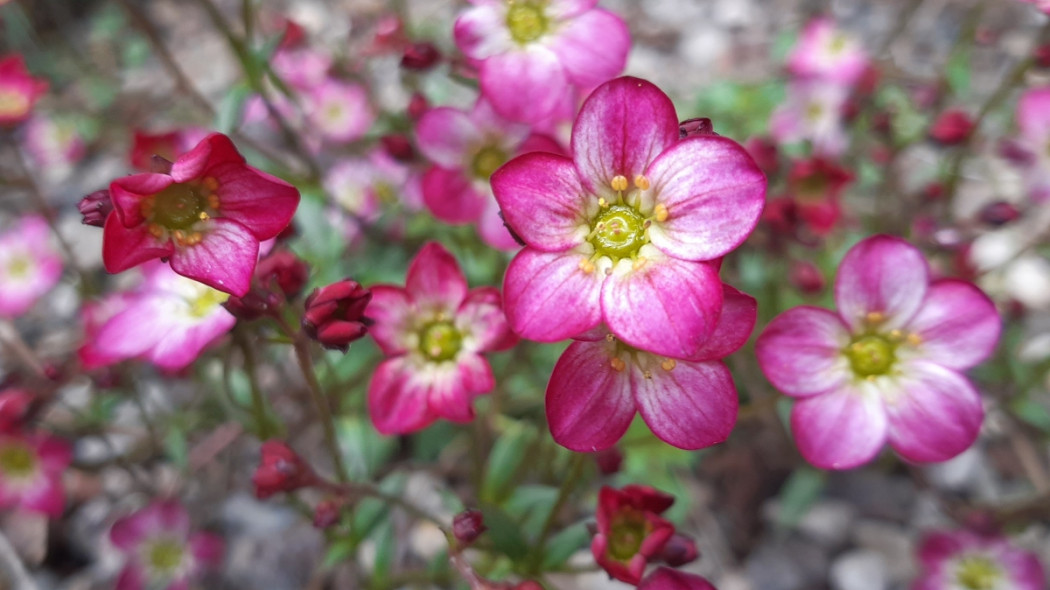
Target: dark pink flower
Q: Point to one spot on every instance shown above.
(29, 265)
(169, 145)
(827, 53)
(690, 403)
(468, 526)
(630, 530)
(627, 232)
(962, 560)
(816, 185)
(536, 55)
(280, 470)
(1033, 121)
(162, 551)
(434, 333)
(952, 127)
(207, 216)
(668, 579)
(888, 366)
(15, 404)
(31, 467)
(19, 90)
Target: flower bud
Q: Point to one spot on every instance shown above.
(327, 512)
(280, 470)
(335, 314)
(417, 105)
(678, 551)
(420, 56)
(1042, 55)
(806, 277)
(467, 526)
(609, 460)
(14, 407)
(285, 271)
(998, 213)
(697, 126)
(952, 127)
(765, 153)
(95, 208)
(398, 146)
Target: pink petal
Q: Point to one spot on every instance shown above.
(214, 150)
(124, 248)
(621, 128)
(714, 194)
(435, 280)
(589, 403)
(391, 311)
(958, 325)
(841, 429)
(182, 345)
(937, 546)
(493, 230)
(397, 403)
(1033, 115)
(564, 9)
(881, 274)
(543, 201)
(224, 259)
(450, 397)
(668, 579)
(481, 32)
(800, 352)
(262, 203)
(447, 136)
(548, 298)
(46, 497)
(133, 331)
(480, 318)
(451, 197)
(127, 194)
(934, 415)
(207, 549)
(592, 47)
(735, 324)
(132, 577)
(667, 307)
(691, 406)
(524, 84)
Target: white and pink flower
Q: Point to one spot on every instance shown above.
(1033, 120)
(339, 110)
(31, 467)
(813, 113)
(827, 53)
(29, 265)
(960, 560)
(53, 142)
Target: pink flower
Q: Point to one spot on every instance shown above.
(690, 403)
(29, 265)
(161, 550)
(627, 232)
(207, 215)
(825, 52)
(339, 110)
(668, 579)
(816, 185)
(962, 560)
(888, 366)
(168, 321)
(536, 55)
(952, 127)
(168, 145)
(1033, 119)
(630, 530)
(31, 467)
(53, 141)
(1043, 5)
(466, 148)
(814, 113)
(434, 332)
(19, 90)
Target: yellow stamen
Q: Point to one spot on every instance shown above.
(914, 339)
(603, 203)
(668, 364)
(618, 365)
(156, 230)
(638, 263)
(641, 182)
(896, 335)
(179, 236)
(874, 317)
(211, 183)
(203, 216)
(619, 183)
(648, 374)
(213, 201)
(610, 338)
(660, 212)
(586, 266)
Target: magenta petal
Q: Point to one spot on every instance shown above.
(621, 128)
(224, 259)
(46, 497)
(735, 324)
(127, 194)
(668, 579)
(493, 230)
(391, 311)
(207, 549)
(542, 199)
(447, 136)
(214, 150)
(692, 406)
(714, 194)
(184, 342)
(397, 403)
(957, 323)
(936, 546)
(454, 386)
(589, 403)
(134, 330)
(884, 275)
(132, 577)
(481, 32)
(124, 248)
(564, 9)
(435, 280)
(667, 307)
(592, 47)
(480, 318)
(524, 84)
(262, 203)
(548, 298)
(935, 415)
(800, 352)
(451, 197)
(840, 429)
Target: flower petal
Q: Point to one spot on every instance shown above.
(127, 193)
(589, 402)
(547, 297)
(224, 259)
(435, 280)
(493, 230)
(665, 578)
(183, 344)
(564, 9)
(262, 203)
(451, 197)
(525, 84)
(481, 32)
(446, 137)
(542, 200)
(840, 429)
(884, 275)
(592, 47)
(714, 194)
(735, 324)
(934, 415)
(391, 311)
(124, 248)
(667, 307)
(450, 395)
(214, 150)
(957, 323)
(621, 128)
(800, 352)
(397, 403)
(691, 406)
(481, 321)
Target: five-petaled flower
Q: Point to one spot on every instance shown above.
(207, 215)
(888, 366)
(31, 466)
(629, 231)
(434, 332)
(29, 265)
(19, 90)
(630, 530)
(963, 560)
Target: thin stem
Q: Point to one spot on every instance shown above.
(361, 489)
(567, 486)
(12, 340)
(262, 418)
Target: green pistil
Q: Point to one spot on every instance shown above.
(626, 533)
(838, 44)
(165, 556)
(977, 573)
(207, 301)
(177, 207)
(526, 21)
(19, 267)
(871, 355)
(17, 461)
(618, 232)
(486, 161)
(440, 341)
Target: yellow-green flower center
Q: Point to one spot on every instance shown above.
(626, 533)
(13, 103)
(871, 355)
(977, 573)
(618, 232)
(17, 461)
(165, 556)
(526, 21)
(177, 207)
(206, 301)
(440, 341)
(19, 267)
(486, 161)
(838, 44)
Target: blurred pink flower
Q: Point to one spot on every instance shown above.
(888, 366)
(961, 560)
(29, 265)
(339, 111)
(536, 55)
(53, 141)
(814, 113)
(1043, 5)
(166, 144)
(19, 90)
(434, 332)
(31, 467)
(628, 232)
(825, 52)
(630, 530)
(668, 579)
(1033, 120)
(161, 550)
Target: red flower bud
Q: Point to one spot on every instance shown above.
(1042, 55)
(806, 277)
(697, 126)
(420, 56)
(679, 551)
(398, 146)
(335, 315)
(609, 460)
(998, 213)
(95, 208)
(280, 470)
(285, 271)
(417, 105)
(14, 407)
(467, 526)
(765, 153)
(327, 512)
(952, 127)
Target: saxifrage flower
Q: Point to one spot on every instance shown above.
(31, 467)
(664, 578)
(888, 366)
(628, 231)
(29, 265)
(434, 332)
(19, 90)
(206, 215)
(963, 560)
(630, 530)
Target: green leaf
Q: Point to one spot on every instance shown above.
(561, 546)
(530, 505)
(1032, 412)
(176, 447)
(339, 551)
(958, 71)
(799, 493)
(363, 448)
(504, 532)
(230, 109)
(506, 457)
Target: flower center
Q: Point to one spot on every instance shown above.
(526, 21)
(165, 556)
(486, 161)
(440, 341)
(871, 354)
(177, 207)
(618, 232)
(837, 44)
(626, 533)
(13, 103)
(19, 267)
(17, 461)
(814, 111)
(206, 300)
(977, 573)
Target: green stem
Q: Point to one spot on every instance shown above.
(567, 486)
(263, 422)
(306, 365)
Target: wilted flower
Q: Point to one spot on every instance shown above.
(335, 314)
(668, 579)
(19, 90)
(29, 265)
(962, 560)
(280, 470)
(630, 530)
(162, 553)
(31, 467)
(888, 366)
